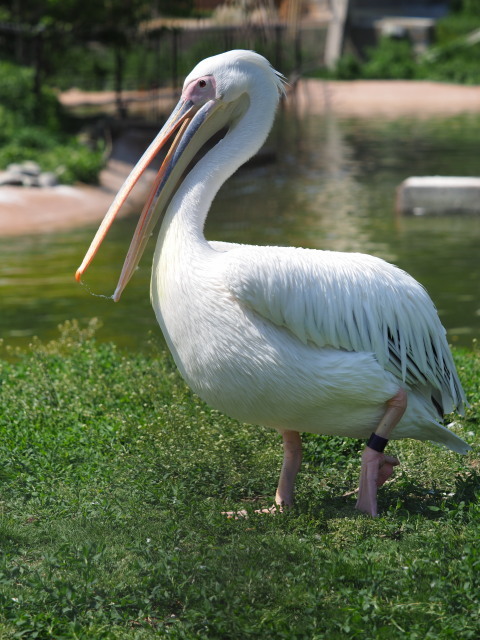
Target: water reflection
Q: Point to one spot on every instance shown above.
(333, 187)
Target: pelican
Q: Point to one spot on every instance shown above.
(299, 340)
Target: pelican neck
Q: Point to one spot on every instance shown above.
(185, 217)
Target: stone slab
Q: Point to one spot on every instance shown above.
(438, 195)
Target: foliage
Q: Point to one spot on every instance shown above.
(348, 67)
(454, 63)
(16, 96)
(465, 8)
(451, 59)
(390, 59)
(97, 42)
(32, 130)
(82, 16)
(393, 59)
(114, 476)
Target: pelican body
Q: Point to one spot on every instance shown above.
(289, 338)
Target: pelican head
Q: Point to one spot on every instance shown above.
(216, 96)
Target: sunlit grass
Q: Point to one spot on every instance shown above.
(114, 476)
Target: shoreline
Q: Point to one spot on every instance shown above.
(388, 99)
(30, 211)
(33, 210)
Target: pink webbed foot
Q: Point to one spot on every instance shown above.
(376, 469)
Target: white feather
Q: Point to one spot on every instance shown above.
(349, 301)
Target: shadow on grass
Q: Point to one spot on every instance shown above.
(406, 497)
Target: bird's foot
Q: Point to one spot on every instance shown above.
(376, 469)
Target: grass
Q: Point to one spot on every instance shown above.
(113, 478)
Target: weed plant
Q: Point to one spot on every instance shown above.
(113, 479)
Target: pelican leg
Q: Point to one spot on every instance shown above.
(292, 459)
(376, 466)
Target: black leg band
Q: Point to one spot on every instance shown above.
(377, 443)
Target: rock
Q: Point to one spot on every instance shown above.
(31, 168)
(27, 174)
(47, 179)
(30, 181)
(14, 167)
(11, 177)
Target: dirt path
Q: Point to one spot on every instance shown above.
(30, 211)
(386, 98)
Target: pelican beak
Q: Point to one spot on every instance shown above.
(193, 125)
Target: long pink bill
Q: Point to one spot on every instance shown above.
(142, 230)
(182, 113)
(189, 139)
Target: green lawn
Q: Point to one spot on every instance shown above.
(114, 476)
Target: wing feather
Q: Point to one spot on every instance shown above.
(348, 301)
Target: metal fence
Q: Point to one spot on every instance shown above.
(153, 58)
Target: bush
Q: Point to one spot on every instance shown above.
(34, 128)
(391, 59)
(348, 68)
(452, 59)
(17, 96)
(454, 64)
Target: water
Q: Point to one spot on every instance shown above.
(332, 187)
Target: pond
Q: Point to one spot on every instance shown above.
(331, 186)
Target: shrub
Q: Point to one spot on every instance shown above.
(452, 59)
(391, 59)
(34, 128)
(17, 96)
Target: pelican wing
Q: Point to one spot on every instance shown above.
(349, 301)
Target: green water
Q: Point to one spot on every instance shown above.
(332, 187)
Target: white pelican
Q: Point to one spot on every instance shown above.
(290, 338)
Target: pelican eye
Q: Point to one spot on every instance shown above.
(202, 83)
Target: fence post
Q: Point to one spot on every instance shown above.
(278, 46)
(119, 61)
(37, 78)
(175, 32)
